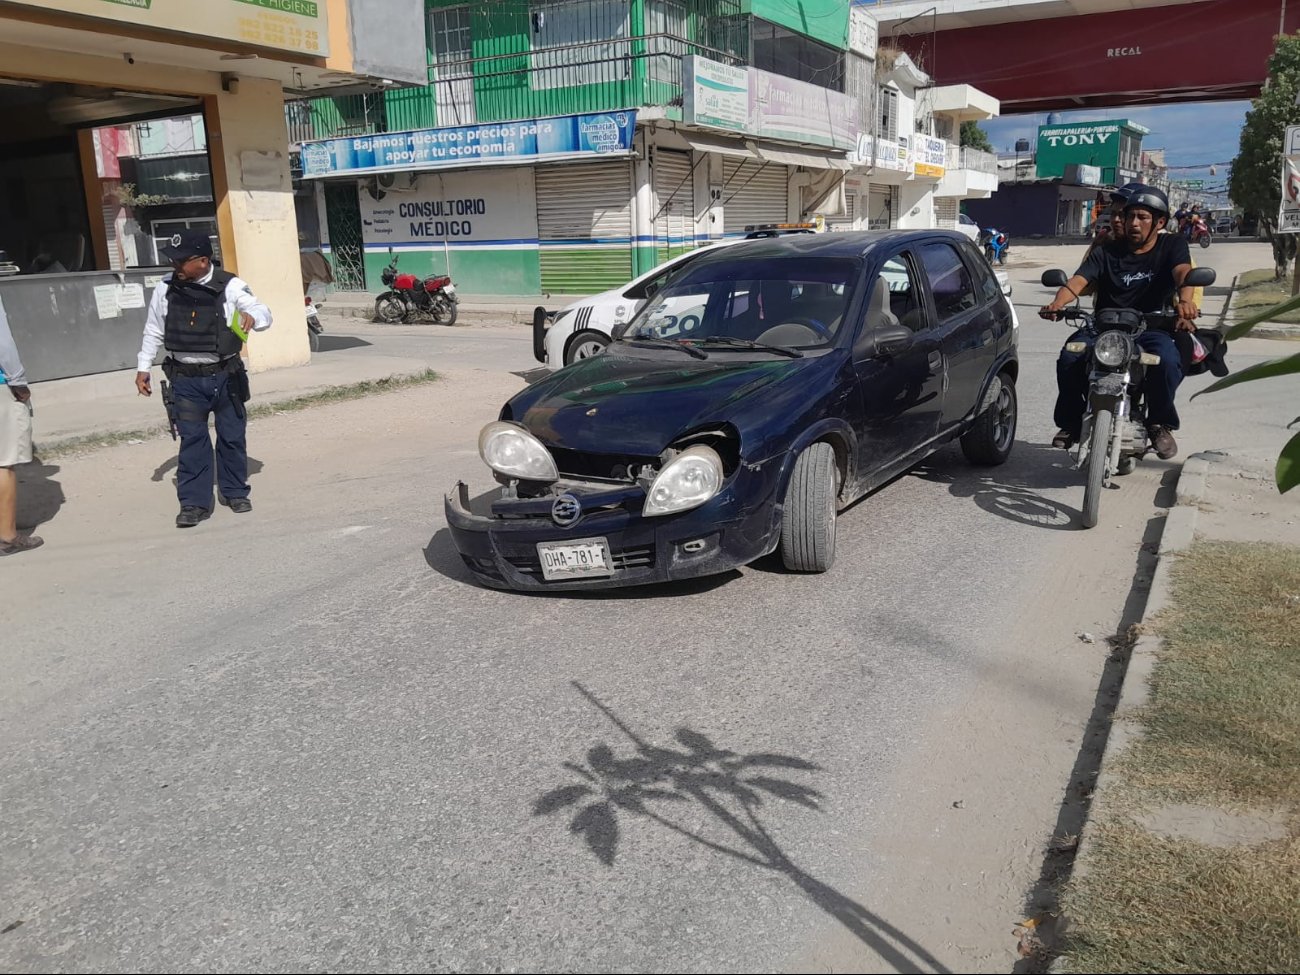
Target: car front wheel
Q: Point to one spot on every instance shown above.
(808, 519)
(584, 345)
(989, 440)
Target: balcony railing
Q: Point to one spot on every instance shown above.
(964, 157)
(597, 76)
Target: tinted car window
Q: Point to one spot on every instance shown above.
(986, 281)
(904, 298)
(950, 281)
(787, 301)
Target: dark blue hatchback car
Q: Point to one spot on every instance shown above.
(753, 397)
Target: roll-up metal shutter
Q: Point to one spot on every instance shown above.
(945, 212)
(674, 186)
(882, 207)
(848, 219)
(754, 193)
(584, 226)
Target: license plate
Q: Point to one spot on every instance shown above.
(577, 559)
(450, 289)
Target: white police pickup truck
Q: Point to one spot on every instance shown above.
(584, 328)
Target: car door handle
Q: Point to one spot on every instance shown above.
(936, 360)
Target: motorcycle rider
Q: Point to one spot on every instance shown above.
(1141, 271)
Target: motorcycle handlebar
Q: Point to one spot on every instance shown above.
(1078, 314)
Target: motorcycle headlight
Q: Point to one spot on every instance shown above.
(1113, 349)
(686, 481)
(511, 450)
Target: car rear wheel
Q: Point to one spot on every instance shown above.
(584, 345)
(989, 440)
(808, 519)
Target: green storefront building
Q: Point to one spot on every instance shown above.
(1114, 146)
(564, 146)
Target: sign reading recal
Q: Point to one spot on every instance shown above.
(300, 26)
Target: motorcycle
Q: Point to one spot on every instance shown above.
(314, 329)
(995, 245)
(1200, 234)
(412, 300)
(1114, 436)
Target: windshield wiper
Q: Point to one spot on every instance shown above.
(749, 344)
(666, 344)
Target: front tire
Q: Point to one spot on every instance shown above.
(990, 438)
(389, 309)
(808, 518)
(1098, 454)
(584, 345)
(1205, 241)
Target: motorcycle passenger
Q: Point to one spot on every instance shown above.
(1142, 271)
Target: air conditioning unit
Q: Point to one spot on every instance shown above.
(403, 182)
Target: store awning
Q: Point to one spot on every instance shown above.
(707, 143)
(812, 160)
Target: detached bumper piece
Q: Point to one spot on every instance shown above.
(498, 538)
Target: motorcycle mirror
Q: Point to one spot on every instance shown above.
(1055, 278)
(1199, 277)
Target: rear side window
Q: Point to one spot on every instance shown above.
(950, 280)
(985, 280)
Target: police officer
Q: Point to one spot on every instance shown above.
(202, 315)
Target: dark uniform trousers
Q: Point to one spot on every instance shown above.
(196, 398)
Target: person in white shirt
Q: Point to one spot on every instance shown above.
(15, 440)
(202, 315)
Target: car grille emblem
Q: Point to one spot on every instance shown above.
(565, 510)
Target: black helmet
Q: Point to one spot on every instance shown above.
(1123, 194)
(1148, 198)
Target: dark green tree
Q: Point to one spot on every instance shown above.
(1256, 181)
(975, 137)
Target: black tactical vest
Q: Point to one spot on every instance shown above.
(196, 317)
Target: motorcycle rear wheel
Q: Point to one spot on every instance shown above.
(1098, 455)
(444, 313)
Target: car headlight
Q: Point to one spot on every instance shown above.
(511, 450)
(1113, 349)
(686, 481)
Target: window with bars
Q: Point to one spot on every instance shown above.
(784, 52)
(563, 32)
(888, 113)
(453, 68)
(668, 17)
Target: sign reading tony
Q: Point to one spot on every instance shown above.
(528, 141)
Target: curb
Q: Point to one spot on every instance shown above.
(1135, 688)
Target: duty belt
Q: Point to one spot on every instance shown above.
(191, 369)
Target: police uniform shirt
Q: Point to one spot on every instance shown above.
(239, 297)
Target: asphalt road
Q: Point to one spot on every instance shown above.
(303, 740)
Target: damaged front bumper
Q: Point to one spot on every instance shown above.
(498, 537)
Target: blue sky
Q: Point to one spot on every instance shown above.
(1191, 134)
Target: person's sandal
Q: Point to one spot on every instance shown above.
(21, 543)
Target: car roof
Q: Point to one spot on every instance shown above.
(854, 244)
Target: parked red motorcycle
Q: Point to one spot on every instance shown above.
(413, 300)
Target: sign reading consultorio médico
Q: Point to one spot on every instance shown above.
(491, 206)
(287, 25)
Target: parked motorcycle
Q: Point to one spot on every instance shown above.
(413, 300)
(314, 329)
(1114, 436)
(995, 245)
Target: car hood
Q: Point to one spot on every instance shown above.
(605, 297)
(625, 404)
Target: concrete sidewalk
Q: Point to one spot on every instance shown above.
(107, 404)
(513, 309)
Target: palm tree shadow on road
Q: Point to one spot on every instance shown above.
(647, 781)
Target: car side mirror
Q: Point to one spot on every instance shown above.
(1199, 277)
(891, 340)
(1055, 278)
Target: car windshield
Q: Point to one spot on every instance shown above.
(743, 305)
